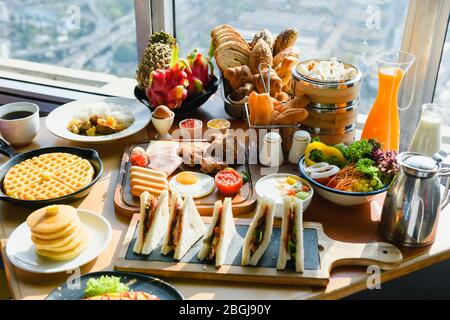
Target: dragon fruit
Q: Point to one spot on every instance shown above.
(169, 86)
(184, 78)
(199, 77)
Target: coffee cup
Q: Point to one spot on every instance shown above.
(19, 122)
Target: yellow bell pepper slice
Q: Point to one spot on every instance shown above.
(328, 151)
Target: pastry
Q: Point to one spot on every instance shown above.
(285, 39)
(261, 54)
(261, 108)
(242, 92)
(284, 70)
(238, 76)
(57, 233)
(276, 84)
(282, 96)
(265, 35)
(288, 52)
(48, 176)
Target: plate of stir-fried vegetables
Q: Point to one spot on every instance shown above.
(349, 175)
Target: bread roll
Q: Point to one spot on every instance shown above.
(265, 35)
(276, 84)
(285, 39)
(288, 52)
(261, 53)
(238, 76)
(260, 108)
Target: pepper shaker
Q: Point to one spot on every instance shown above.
(300, 141)
(271, 154)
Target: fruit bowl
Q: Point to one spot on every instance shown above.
(189, 105)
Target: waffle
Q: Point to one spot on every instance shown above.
(48, 176)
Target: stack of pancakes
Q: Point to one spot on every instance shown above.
(57, 232)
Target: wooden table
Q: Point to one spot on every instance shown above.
(358, 224)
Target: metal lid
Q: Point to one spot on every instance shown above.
(418, 165)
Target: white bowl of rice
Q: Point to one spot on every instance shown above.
(129, 117)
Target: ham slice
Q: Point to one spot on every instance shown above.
(163, 156)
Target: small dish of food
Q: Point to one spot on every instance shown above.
(191, 128)
(349, 175)
(98, 120)
(276, 186)
(221, 125)
(113, 285)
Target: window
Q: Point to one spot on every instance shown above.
(442, 93)
(348, 30)
(95, 35)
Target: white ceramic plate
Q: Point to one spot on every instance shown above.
(263, 188)
(21, 253)
(58, 120)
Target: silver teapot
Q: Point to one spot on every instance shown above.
(413, 202)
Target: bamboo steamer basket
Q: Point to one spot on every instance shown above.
(334, 105)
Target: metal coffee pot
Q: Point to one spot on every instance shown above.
(413, 202)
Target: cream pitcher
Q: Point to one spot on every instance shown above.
(413, 202)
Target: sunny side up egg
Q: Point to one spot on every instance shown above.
(195, 184)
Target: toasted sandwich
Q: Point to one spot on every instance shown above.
(152, 223)
(221, 232)
(259, 233)
(185, 227)
(291, 240)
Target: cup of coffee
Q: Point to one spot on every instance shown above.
(19, 122)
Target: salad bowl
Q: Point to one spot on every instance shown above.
(342, 198)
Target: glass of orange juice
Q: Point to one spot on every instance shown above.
(383, 121)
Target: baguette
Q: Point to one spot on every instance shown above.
(291, 116)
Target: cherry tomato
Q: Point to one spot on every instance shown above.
(228, 181)
(139, 159)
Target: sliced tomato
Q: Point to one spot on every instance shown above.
(228, 181)
(323, 181)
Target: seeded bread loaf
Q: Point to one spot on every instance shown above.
(261, 53)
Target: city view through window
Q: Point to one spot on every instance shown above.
(100, 36)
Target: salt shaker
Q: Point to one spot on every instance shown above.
(300, 141)
(271, 154)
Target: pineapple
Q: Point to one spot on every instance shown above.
(157, 56)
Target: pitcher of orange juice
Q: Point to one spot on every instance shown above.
(383, 122)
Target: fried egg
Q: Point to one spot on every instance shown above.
(194, 184)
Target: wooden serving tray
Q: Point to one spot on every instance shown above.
(126, 204)
(322, 254)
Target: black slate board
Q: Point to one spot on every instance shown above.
(268, 260)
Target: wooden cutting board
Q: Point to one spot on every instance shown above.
(322, 254)
(127, 205)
